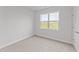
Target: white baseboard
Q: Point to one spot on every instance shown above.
(54, 39)
(28, 36)
(18, 39)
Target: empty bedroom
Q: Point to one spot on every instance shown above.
(39, 29)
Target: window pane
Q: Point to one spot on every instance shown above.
(44, 17)
(44, 25)
(54, 16)
(54, 25)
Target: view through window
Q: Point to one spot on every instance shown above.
(49, 21)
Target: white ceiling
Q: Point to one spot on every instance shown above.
(37, 8)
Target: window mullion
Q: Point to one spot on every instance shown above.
(48, 21)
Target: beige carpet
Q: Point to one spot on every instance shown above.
(38, 44)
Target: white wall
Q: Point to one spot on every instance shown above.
(15, 23)
(76, 28)
(65, 30)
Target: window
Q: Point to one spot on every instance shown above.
(44, 21)
(49, 21)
